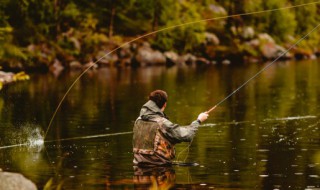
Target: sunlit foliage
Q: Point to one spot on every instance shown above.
(81, 28)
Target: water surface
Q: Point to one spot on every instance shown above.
(266, 136)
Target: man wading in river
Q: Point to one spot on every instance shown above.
(154, 136)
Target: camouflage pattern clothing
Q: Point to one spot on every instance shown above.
(154, 136)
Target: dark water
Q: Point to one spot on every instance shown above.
(266, 136)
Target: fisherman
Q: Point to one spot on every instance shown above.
(154, 136)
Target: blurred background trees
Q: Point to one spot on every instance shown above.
(36, 32)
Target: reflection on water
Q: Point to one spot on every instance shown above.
(263, 137)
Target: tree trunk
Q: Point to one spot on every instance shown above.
(113, 12)
(156, 14)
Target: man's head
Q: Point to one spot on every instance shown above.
(159, 97)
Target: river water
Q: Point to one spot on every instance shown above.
(266, 136)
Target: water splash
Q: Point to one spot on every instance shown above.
(26, 135)
(36, 137)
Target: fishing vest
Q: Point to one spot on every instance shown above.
(148, 139)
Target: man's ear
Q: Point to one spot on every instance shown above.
(164, 106)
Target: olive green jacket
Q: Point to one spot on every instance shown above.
(174, 133)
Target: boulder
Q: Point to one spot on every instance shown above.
(90, 65)
(264, 37)
(211, 39)
(75, 65)
(202, 61)
(189, 59)
(106, 59)
(147, 56)
(56, 68)
(172, 58)
(226, 62)
(300, 53)
(6, 77)
(15, 181)
(248, 32)
(272, 51)
(216, 9)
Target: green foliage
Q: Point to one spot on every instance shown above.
(183, 38)
(307, 18)
(283, 22)
(81, 28)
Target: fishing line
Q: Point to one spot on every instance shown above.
(92, 136)
(157, 31)
(69, 139)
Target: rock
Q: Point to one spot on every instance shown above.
(226, 62)
(264, 37)
(6, 77)
(313, 57)
(189, 59)
(211, 39)
(172, 58)
(217, 9)
(92, 66)
(303, 54)
(106, 59)
(15, 181)
(248, 32)
(9, 77)
(147, 56)
(56, 68)
(76, 43)
(254, 43)
(202, 60)
(269, 49)
(272, 51)
(125, 52)
(75, 65)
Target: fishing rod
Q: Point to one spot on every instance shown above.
(157, 31)
(251, 78)
(263, 69)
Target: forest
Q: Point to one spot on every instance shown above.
(52, 34)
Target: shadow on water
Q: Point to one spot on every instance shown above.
(263, 137)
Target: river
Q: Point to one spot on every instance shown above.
(266, 136)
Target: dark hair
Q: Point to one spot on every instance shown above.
(159, 97)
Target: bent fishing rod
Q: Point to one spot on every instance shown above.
(251, 78)
(263, 69)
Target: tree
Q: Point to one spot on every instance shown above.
(307, 18)
(184, 38)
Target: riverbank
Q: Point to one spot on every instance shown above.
(254, 48)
